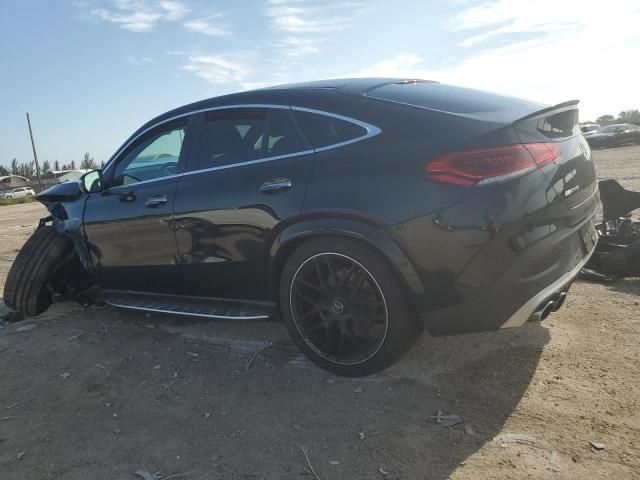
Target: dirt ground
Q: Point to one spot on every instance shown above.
(100, 394)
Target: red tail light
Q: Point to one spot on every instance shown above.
(487, 165)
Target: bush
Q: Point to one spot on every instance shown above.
(16, 201)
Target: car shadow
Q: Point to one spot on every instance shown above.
(630, 285)
(238, 400)
(382, 423)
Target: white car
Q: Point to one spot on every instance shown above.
(18, 193)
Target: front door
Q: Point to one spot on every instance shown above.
(248, 172)
(129, 224)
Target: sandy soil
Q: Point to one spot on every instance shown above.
(100, 394)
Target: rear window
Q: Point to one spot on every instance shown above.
(325, 130)
(445, 98)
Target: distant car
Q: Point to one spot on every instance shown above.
(361, 211)
(18, 193)
(589, 127)
(614, 135)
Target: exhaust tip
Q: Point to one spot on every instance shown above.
(559, 301)
(547, 309)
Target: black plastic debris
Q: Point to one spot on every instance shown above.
(617, 252)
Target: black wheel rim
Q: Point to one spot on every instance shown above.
(339, 308)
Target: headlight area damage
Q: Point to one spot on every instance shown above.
(54, 264)
(617, 252)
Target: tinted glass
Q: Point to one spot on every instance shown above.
(447, 98)
(283, 136)
(323, 130)
(609, 129)
(154, 156)
(228, 137)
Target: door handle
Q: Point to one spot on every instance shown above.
(276, 185)
(156, 201)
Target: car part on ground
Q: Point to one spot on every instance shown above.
(362, 209)
(618, 249)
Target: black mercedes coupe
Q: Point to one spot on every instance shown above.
(359, 211)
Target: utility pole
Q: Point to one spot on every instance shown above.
(35, 155)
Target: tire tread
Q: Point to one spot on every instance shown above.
(32, 269)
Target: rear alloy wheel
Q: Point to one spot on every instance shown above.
(344, 307)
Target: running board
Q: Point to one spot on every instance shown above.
(190, 307)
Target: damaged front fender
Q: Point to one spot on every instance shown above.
(66, 202)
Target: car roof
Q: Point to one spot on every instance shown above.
(277, 94)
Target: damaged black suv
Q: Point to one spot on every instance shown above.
(360, 211)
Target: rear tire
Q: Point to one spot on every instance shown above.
(26, 287)
(345, 308)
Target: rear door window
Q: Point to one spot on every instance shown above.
(226, 137)
(283, 136)
(325, 130)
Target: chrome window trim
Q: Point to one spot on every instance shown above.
(371, 131)
(249, 162)
(151, 180)
(186, 114)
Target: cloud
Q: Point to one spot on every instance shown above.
(299, 17)
(205, 26)
(306, 25)
(297, 47)
(140, 15)
(140, 60)
(561, 51)
(173, 10)
(218, 69)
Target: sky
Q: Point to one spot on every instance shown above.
(90, 72)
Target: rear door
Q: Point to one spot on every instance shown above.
(248, 173)
(129, 224)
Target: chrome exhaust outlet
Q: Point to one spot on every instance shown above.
(545, 309)
(559, 301)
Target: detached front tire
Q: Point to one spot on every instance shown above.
(26, 287)
(344, 307)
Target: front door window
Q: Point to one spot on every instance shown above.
(153, 157)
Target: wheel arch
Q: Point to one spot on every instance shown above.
(363, 230)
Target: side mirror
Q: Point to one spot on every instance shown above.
(91, 182)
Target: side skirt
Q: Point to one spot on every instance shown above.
(219, 309)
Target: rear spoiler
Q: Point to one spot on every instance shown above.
(553, 123)
(560, 106)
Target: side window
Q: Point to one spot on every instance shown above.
(155, 156)
(229, 136)
(324, 130)
(283, 136)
